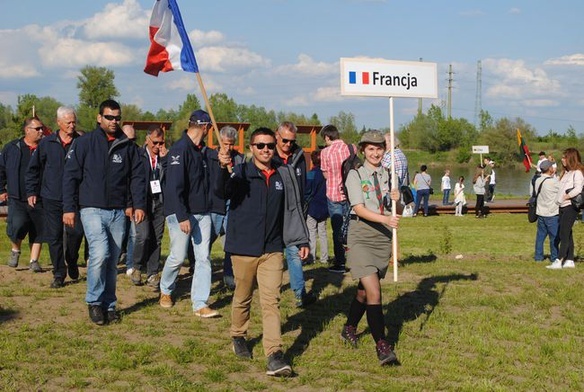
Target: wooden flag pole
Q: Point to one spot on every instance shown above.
(209, 110)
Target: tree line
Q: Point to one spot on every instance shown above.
(431, 131)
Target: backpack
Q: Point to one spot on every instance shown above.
(351, 162)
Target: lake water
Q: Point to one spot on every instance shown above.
(509, 181)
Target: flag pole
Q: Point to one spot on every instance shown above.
(209, 110)
(393, 186)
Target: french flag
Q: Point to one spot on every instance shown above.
(170, 48)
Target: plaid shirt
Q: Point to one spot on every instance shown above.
(331, 160)
(401, 165)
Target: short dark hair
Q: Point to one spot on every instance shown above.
(541, 153)
(331, 131)
(110, 104)
(423, 168)
(315, 157)
(155, 131)
(261, 131)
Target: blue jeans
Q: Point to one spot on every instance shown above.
(425, 195)
(104, 230)
(445, 196)
(337, 211)
(130, 246)
(200, 237)
(295, 271)
(546, 226)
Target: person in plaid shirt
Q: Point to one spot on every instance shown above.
(332, 158)
(401, 162)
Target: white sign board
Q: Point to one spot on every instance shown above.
(480, 149)
(388, 78)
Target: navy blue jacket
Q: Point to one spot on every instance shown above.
(45, 170)
(10, 170)
(218, 205)
(103, 176)
(147, 166)
(315, 194)
(186, 190)
(298, 161)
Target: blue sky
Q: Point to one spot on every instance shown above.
(284, 54)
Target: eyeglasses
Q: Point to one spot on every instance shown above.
(109, 117)
(286, 141)
(38, 129)
(156, 143)
(261, 146)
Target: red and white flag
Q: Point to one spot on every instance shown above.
(170, 48)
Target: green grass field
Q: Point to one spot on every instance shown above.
(471, 311)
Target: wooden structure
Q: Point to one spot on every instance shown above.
(312, 132)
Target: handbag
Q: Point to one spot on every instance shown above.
(406, 194)
(532, 204)
(578, 200)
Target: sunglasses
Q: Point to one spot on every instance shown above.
(38, 129)
(109, 117)
(286, 141)
(156, 143)
(261, 146)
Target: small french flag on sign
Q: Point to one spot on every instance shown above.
(353, 77)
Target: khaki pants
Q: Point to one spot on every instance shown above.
(267, 271)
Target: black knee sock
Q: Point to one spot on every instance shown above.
(375, 321)
(356, 312)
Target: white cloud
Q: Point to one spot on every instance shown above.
(572, 59)
(224, 58)
(22, 61)
(126, 20)
(306, 66)
(203, 38)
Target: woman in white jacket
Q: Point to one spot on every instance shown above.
(571, 182)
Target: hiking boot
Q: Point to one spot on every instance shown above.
(73, 271)
(240, 347)
(307, 299)
(166, 300)
(206, 312)
(153, 281)
(136, 277)
(13, 260)
(34, 266)
(555, 265)
(57, 283)
(338, 268)
(113, 317)
(385, 352)
(96, 314)
(569, 264)
(277, 366)
(349, 335)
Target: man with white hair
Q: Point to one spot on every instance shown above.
(44, 180)
(401, 162)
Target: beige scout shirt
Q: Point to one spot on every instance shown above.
(362, 191)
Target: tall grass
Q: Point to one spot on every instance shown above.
(471, 310)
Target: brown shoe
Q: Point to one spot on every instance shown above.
(166, 300)
(206, 312)
(136, 277)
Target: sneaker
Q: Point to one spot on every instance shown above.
(57, 283)
(14, 257)
(240, 347)
(129, 271)
(307, 299)
(569, 264)
(34, 266)
(166, 300)
(349, 335)
(154, 282)
(385, 352)
(339, 269)
(96, 314)
(136, 277)
(73, 271)
(277, 366)
(113, 317)
(555, 265)
(206, 312)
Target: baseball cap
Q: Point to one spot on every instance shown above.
(200, 117)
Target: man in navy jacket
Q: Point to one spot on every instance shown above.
(44, 180)
(102, 183)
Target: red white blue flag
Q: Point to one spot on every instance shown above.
(170, 48)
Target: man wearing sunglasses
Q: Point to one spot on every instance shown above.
(44, 180)
(290, 153)
(265, 215)
(22, 218)
(186, 206)
(103, 182)
(148, 233)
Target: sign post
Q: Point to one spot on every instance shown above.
(480, 150)
(389, 78)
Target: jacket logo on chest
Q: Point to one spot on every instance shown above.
(175, 159)
(279, 186)
(116, 158)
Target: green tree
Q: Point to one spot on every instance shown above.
(96, 84)
(345, 123)
(225, 109)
